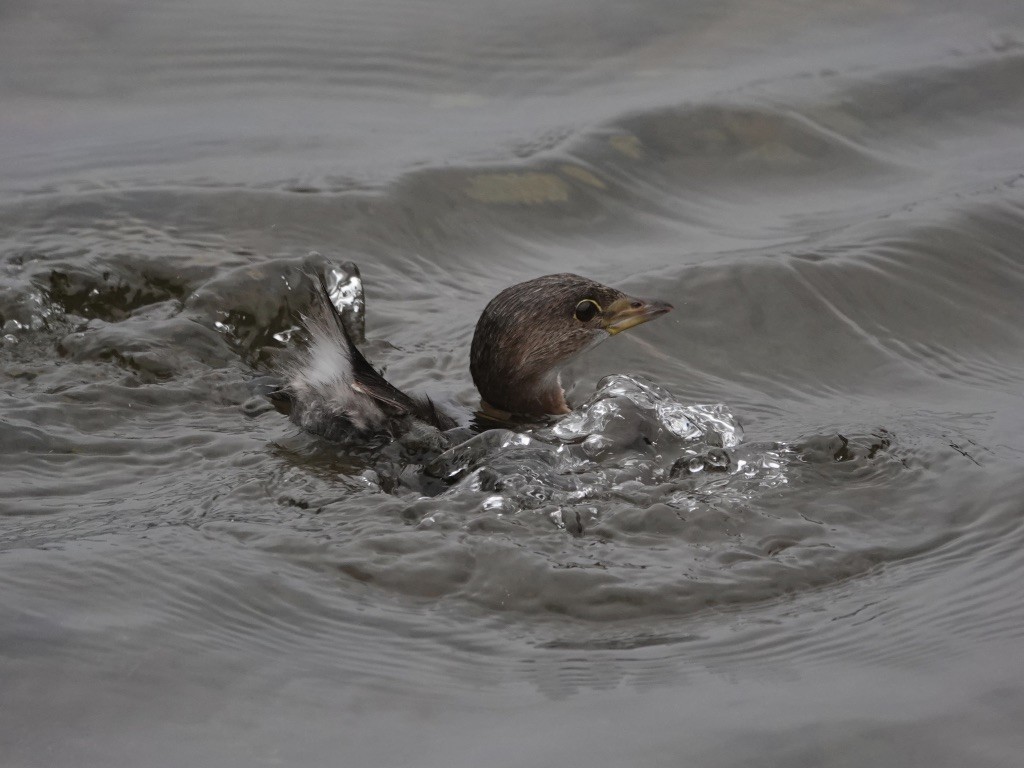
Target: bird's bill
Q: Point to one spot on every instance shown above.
(628, 312)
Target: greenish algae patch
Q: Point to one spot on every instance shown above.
(525, 188)
(582, 174)
(628, 145)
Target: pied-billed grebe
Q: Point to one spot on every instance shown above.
(523, 338)
(530, 330)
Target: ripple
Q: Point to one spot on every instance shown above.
(790, 516)
(841, 244)
(643, 541)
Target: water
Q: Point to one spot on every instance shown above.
(823, 571)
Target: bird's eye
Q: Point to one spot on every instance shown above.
(587, 310)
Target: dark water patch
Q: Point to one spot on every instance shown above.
(111, 300)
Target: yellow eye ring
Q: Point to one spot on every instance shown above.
(587, 310)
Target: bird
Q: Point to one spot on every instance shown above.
(524, 336)
(530, 330)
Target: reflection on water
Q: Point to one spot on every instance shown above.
(832, 198)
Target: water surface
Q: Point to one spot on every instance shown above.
(833, 199)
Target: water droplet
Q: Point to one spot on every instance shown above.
(285, 336)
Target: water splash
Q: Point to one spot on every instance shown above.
(345, 289)
(631, 441)
(647, 406)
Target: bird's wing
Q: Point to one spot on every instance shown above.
(365, 378)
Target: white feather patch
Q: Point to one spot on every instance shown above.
(322, 380)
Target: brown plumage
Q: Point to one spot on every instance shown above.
(332, 391)
(530, 330)
(524, 336)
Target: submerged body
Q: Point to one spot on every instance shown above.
(522, 339)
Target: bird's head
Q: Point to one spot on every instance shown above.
(530, 330)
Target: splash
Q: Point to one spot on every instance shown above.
(631, 442)
(345, 289)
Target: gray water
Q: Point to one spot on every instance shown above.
(831, 195)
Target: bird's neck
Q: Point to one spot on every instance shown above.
(542, 395)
